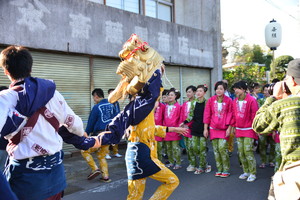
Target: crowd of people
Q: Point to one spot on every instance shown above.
(219, 119)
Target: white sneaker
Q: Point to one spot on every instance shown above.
(107, 157)
(190, 168)
(208, 169)
(244, 176)
(118, 155)
(251, 178)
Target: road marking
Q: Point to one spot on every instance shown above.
(107, 187)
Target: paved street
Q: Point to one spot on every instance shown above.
(200, 187)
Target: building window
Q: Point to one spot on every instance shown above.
(161, 9)
(128, 5)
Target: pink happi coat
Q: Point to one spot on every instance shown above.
(172, 120)
(243, 118)
(159, 117)
(218, 121)
(185, 111)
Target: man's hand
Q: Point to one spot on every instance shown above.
(98, 139)
(180, 130)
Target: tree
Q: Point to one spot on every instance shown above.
(280, 65)
(251, 73)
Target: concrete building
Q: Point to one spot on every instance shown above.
(76, 42)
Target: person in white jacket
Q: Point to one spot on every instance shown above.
(32, 113)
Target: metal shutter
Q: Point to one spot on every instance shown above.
(195, 76)
(105, 77)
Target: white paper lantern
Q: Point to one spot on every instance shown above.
(273, 34)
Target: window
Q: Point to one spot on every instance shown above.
(161, 9)
(129, 5)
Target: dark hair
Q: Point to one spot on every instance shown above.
(98, 92)
(266, 86)
(165, 92)
(221, 83)
(240, 85)
(275, 80)
(110, 90)
(17, 60)
(254, 85)
(203, 87)
(176, 92)
(191, 87)
(3, 88)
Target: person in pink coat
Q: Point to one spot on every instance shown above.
(171, 118)
(185, 111)
(245, 107)
(217, 124)
(159, 117)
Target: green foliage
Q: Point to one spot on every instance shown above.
(280, 65)
(249, 72)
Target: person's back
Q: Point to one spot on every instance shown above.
(31, 113)
(287, 113)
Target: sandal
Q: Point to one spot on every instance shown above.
(177, 166)
(263, 165)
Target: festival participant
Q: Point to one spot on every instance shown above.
(141, 70)
(171, 119)
(266, 140)
(35, 119)
(185, 110)
(199, 142)
(245, 107)
(159, 117)
(217, 124)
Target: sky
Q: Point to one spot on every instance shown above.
(248, 18)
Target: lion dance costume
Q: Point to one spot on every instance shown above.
(141, 76)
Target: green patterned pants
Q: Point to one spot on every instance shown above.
(221, 154)
(278, 157)
(198, 150)
(188, 145)
(263, 141)
(245, 148)
(159, 150)
(173, 152)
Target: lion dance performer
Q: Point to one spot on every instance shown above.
(141, 71)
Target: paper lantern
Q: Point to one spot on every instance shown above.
(273, 34)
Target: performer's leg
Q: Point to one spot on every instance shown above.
(242, 156)
(176, 152)
(272, 150)
(202, 152)
(223, 149)
(115, 149)
(159, 150)
(189, 149)
(262, 150)
(278, 157)
(136, 189)
(250, 159)
(170, 152)
(169, 183)
(215, 144)
(89, 158)
(102, 161)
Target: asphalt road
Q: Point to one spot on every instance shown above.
(192, 187)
